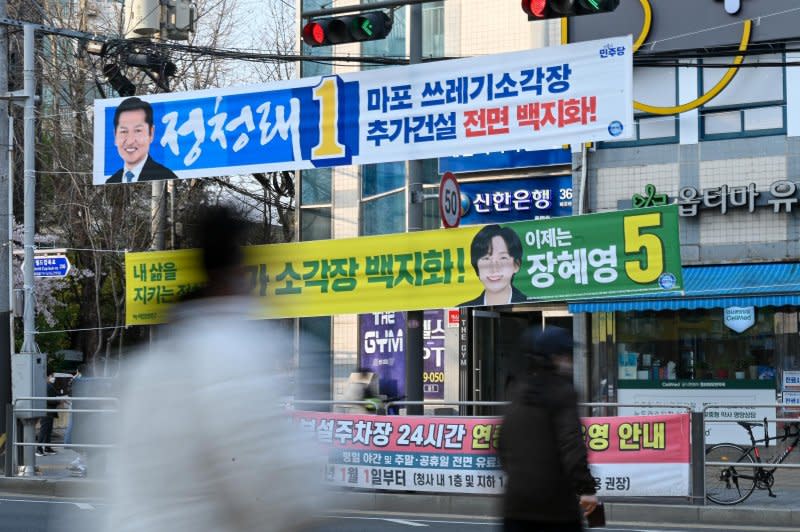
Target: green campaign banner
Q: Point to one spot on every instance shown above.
(609, 254)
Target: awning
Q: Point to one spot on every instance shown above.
(731, 285)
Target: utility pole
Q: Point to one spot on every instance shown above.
(414, 220)
(6, 341)
(30, 362)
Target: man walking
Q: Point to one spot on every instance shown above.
(549, 484)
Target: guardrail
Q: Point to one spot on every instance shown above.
(13, 412)
(765, 420)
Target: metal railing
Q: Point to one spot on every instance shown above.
(14, 412)
(717, 406)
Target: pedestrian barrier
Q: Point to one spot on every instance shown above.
(358, 462)
(27, 467)
(763, 474)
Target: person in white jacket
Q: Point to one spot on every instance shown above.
(204, 443)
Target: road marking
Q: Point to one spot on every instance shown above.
(51, 501)
(404, 522)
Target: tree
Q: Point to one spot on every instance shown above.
(98, 223)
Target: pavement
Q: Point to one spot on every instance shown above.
(53, 479)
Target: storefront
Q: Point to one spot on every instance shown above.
(728, 340)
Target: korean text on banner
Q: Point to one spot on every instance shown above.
(533, 99)
(568, 258)
(629, 456)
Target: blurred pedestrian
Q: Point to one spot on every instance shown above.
(362, 385)
(204, 442)
(78, 465)
(45, 434)
(549, 485)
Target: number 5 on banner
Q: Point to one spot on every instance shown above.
(327, 94)
(647, 269)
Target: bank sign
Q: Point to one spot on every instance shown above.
(507, 200)
(532, 99)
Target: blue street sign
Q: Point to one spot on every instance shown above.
(52, 266)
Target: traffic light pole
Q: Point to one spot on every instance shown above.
(387, 4)
(414, 221)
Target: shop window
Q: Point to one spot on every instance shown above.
(696, 345)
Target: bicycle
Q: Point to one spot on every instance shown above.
(732, 484)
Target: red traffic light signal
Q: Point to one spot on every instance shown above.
(369, 26)
(544, 9)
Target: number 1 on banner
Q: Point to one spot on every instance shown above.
(327, 94)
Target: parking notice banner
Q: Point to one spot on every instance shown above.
(629, 456)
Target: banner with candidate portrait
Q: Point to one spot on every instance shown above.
(559, 259)
(628, 456)
(532, 99)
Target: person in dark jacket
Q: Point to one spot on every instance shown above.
(46, 423)
(542, 450)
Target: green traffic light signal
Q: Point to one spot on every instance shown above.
(327, 31)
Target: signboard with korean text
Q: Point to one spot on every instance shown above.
(531, 99)
(482, 162)
(628, 456)
(699, 394)
(433, 338)
(382, 349)
(574, 257)
(51, 266)
(508, 200)
(780, 198)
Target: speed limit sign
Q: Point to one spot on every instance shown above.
(449, 200)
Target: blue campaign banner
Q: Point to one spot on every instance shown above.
(527, 100)
(504, 160)
(510, 200)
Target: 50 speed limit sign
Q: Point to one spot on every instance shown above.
(449, 200)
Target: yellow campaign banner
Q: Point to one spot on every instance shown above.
(567, 258)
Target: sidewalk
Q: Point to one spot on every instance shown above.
(53, 479)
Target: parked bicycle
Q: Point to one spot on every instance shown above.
(732, 484)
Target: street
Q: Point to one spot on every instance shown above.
(37, 514)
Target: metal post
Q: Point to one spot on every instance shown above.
(10, 448)
(698, 459)
(5, 252)
(414, 221)
(29, 166)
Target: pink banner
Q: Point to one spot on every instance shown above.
(629, 456)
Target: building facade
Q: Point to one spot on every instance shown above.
(721, 142)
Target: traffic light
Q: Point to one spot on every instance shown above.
(543, 9)
(369, 26)
(118, 81)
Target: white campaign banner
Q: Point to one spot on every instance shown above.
(532, 99)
